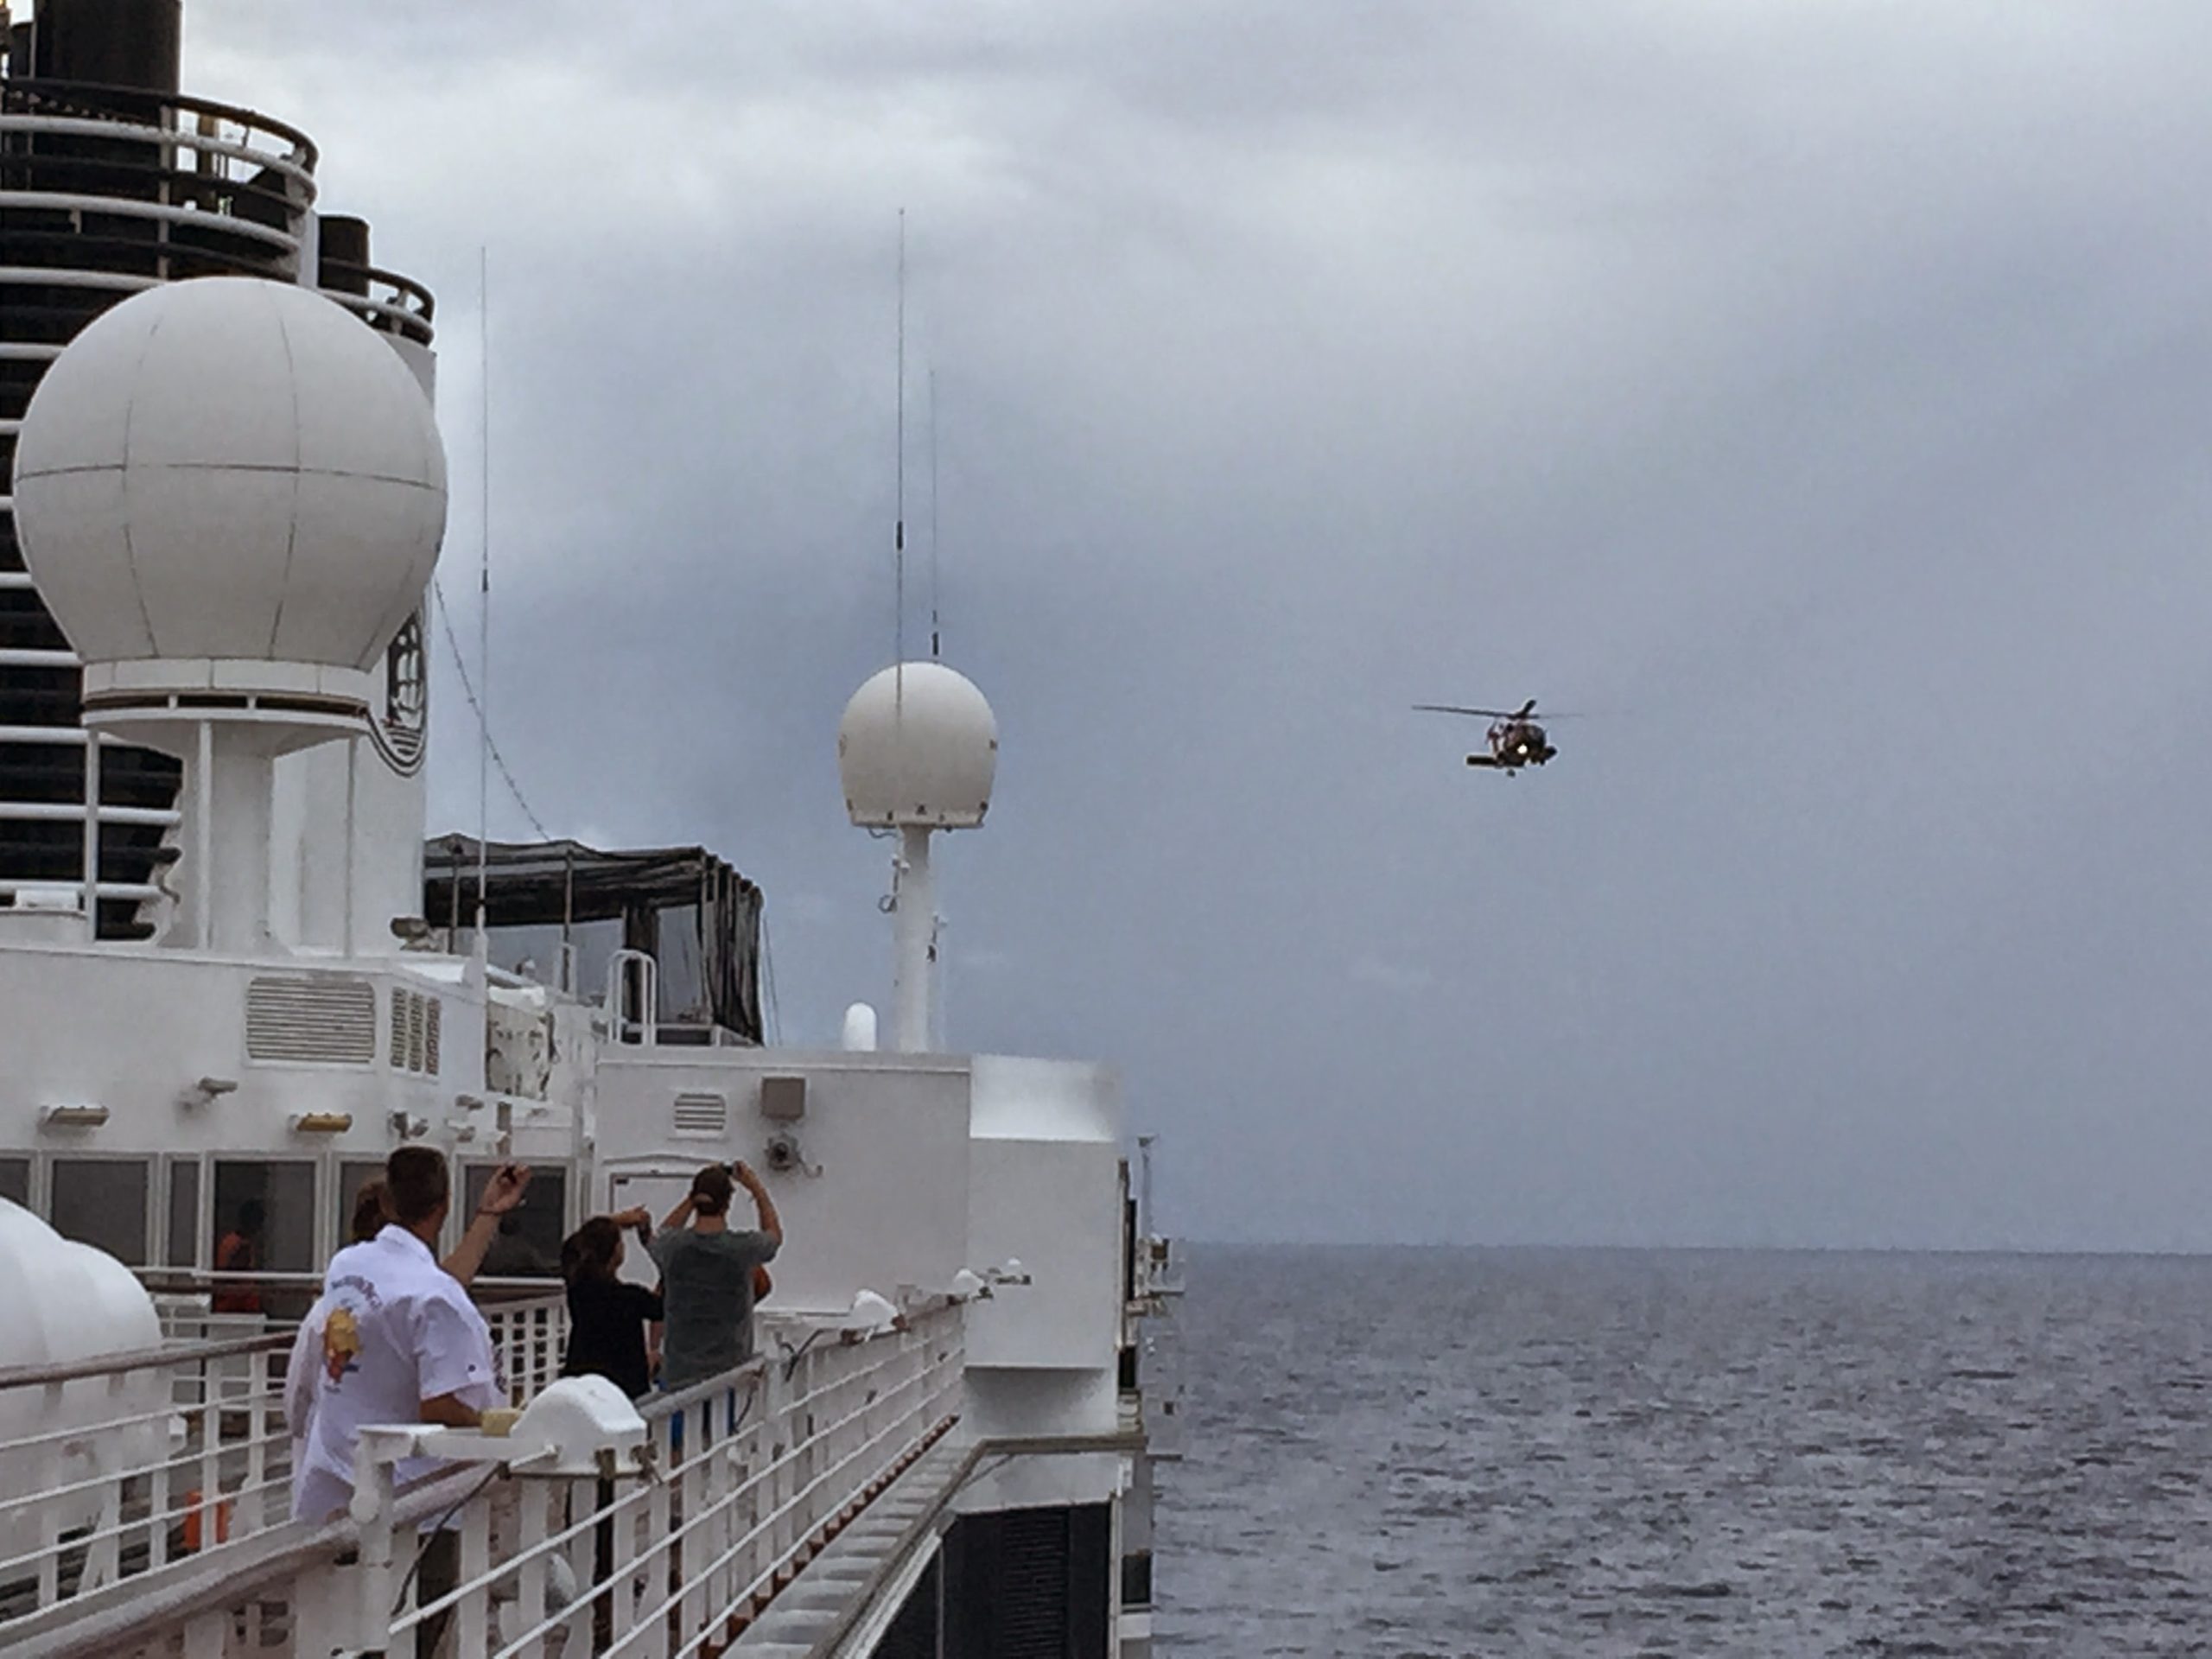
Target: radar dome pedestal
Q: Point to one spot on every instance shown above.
(917, 751)
(230, 494)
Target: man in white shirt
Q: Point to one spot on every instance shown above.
(303, 1371)
(401, 1343)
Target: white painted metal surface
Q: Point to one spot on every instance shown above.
(919, 745)
(231, 496)
(899, 1174)
(913, 920)
(229, 472)
(748, 1478)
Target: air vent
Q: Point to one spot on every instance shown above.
(415, 1032)
(312, 1019)
(704, 1116)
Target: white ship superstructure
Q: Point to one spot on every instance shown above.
(232, 984)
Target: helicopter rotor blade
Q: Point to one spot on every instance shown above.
(1494, 714)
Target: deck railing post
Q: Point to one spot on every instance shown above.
(377, 1584)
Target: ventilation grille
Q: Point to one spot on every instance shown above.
(704, 1116)
(318, 1018)
(415, 1032)
(1035, 1582)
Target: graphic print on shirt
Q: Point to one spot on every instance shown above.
(341, 1329)
(342, 1342)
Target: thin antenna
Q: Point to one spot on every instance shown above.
(935, 649)
(484, 607)
(899, 530)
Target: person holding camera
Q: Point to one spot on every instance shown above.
(707, 1274)
(608, 1317)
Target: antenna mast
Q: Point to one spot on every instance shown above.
(484, 609)
(935, 649)
(898, 527)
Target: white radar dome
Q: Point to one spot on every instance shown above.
(227, 470)
(918, 748)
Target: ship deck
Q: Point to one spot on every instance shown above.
(786, 1507)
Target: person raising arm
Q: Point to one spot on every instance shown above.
(707, 1271)
(503, 1193)
(770, 1223)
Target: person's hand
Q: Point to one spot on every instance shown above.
(742, 1172)
(505, 1189)
(636, 1216)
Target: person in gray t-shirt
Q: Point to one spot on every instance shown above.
(706, 1272)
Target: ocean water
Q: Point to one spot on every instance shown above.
(1447, 1452)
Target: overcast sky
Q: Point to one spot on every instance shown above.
(1815, 397)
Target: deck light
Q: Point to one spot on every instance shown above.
(71, 1117)
(323, 1122)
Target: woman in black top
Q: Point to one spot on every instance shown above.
(607, 1317)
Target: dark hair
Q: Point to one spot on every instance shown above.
(370, 1211)
(711, 1187)
(589, 1253)
(417, 1184)
(251, 1214)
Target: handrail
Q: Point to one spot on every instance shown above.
(222, 1581)
(728, 1516)
(126, 102)
(271, 1559)
(485, 1290)
(138, 1359)
(112, 130)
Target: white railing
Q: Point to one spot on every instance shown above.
(118, 1467)
(530, 1336)
(747, 1478)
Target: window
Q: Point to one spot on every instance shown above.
(352, 1176)
(15, 1180)
(683, 976)
(102, 1202)
(184, 1213)
(532, 950)
(264, 1219)
(529, 1242)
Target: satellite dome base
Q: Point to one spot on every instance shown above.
(161, 703)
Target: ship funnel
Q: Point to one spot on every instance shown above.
(136, 44)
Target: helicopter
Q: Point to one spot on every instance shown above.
(1516, 739)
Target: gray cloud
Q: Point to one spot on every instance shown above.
(1811, 395)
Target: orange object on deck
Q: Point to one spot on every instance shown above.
(194, 1509)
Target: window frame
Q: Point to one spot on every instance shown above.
(318, 1258)
(460, 1212)
(337, 1208)
(145, 1160)
(203, 1196)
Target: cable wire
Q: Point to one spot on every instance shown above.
(468, 691)
(430, 1537)
(768, 987)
